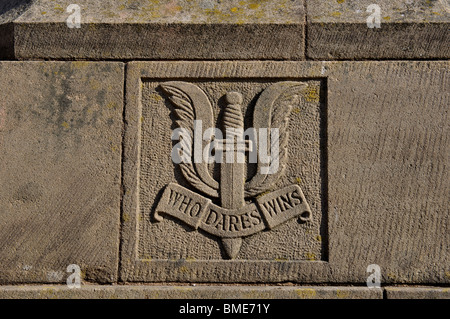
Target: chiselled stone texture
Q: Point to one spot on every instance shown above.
(389, 181)
(220, 292)
(409, 29)
(417, 292)
(182, 29)
(220, 30)
(60, 167)
(368, 146)
(188, 292)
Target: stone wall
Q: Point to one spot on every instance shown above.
(92, 92)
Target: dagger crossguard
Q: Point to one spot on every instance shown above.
(233, 124)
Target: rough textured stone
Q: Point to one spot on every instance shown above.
(60, 167)
(417, 293)
(182, 29)
(188, 292)
(368, 146)
(411, 29)
(388, 131)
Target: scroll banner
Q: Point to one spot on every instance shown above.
(268, 211)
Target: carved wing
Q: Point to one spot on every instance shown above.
(272, 110)
(191, 103)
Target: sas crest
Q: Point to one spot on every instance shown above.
(246, 206)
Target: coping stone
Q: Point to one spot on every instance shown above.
(409, 29)
(200, 29)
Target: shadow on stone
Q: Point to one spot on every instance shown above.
(9, 11)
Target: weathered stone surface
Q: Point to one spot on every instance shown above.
(182, 29)
(188, 292)
(411, 29)
(417, 293)
(368, 145)
(388, 147)
(60, 167)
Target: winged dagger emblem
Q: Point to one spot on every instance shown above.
(234, 218)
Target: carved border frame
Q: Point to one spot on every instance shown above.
(131, 268)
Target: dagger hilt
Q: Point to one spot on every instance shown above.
(233, 117)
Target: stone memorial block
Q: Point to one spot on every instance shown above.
(60, 168)
(224, 149)
(351, 174)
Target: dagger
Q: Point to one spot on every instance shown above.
(232, 169)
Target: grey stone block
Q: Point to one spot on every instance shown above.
(201, 29)
(368, 146)
(417, 293)
(412, 29)
(188, 292)
(60, 160)
(388, 183)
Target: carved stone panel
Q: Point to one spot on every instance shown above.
(232, 205)
(364, 147)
